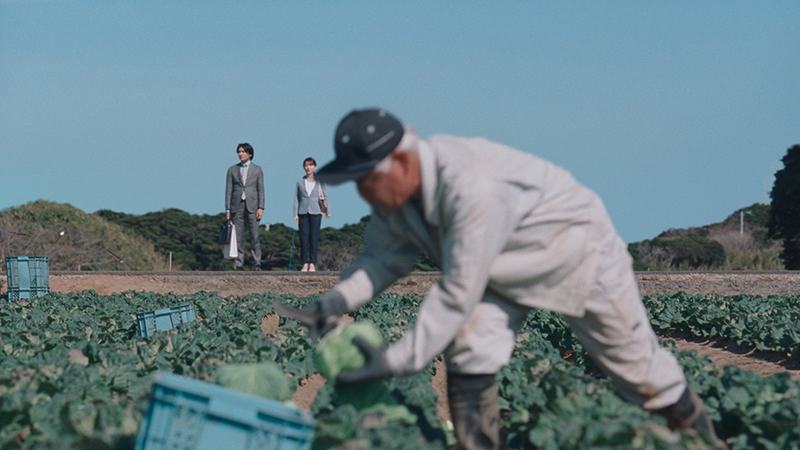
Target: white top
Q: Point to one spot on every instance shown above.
(310, 186)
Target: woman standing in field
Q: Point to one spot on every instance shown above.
(308, 211)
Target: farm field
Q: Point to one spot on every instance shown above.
(227, 284)
(72, 367)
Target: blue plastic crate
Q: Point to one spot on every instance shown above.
(164, 319)
(188, 414)
(28, 277)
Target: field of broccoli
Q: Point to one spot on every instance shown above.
(74, 373)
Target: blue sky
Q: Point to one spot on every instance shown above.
(675, 113)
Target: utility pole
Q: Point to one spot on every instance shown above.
(741, 223)
(102, 231)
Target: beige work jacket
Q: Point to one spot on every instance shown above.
(493, 218)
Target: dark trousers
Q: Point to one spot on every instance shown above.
(309, 237)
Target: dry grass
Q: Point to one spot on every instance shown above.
(743, 251)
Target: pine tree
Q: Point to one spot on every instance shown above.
(784, 222)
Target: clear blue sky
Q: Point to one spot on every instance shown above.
(676, 113)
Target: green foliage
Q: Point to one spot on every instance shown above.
(760, 259)
(192, 239)
(75, 374)
(402, 411)
(276, 248)
(345, 428)
(552, 404)
(338, 248)
(88, 242)
(264, 379)
(336, 351)
(145, 242)
(740, 242)
(784, 221)
(757, 214)
(694, 250)
(424, 263)
(686, 252)
(74, 369)
(767, 324)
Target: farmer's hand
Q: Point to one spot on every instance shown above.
(326, 311)
(320, 316)
(374, 367)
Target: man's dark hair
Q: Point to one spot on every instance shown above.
(246, 147)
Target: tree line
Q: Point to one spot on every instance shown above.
(191, 240)
(758, 237)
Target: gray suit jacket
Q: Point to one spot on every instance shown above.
(309, 204)
(254, 189)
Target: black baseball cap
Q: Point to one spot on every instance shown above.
(363, 139)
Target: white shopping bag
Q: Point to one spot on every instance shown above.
(231, 250)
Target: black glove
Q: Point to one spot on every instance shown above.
(374, 367)
(320, 315)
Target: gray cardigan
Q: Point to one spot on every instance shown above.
(309, 204)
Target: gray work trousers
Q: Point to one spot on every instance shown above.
(614, 329)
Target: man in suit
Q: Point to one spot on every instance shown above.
(244, 202)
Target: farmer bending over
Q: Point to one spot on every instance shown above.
(510, 232)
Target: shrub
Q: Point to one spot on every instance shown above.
(695, 251)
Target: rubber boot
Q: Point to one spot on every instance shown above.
(475, 411)
(688, 413)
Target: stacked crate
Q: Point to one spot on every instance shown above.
(28, 277)
(194, 415)
(164, 319)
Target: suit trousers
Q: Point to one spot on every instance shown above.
(241, 216)
(309, 237)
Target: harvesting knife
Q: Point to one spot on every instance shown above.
(308, 317)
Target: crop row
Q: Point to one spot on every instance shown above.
(766, 324)
(75, 374)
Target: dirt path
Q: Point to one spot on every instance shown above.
(729, 354)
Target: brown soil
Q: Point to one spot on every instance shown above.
(302, 284)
